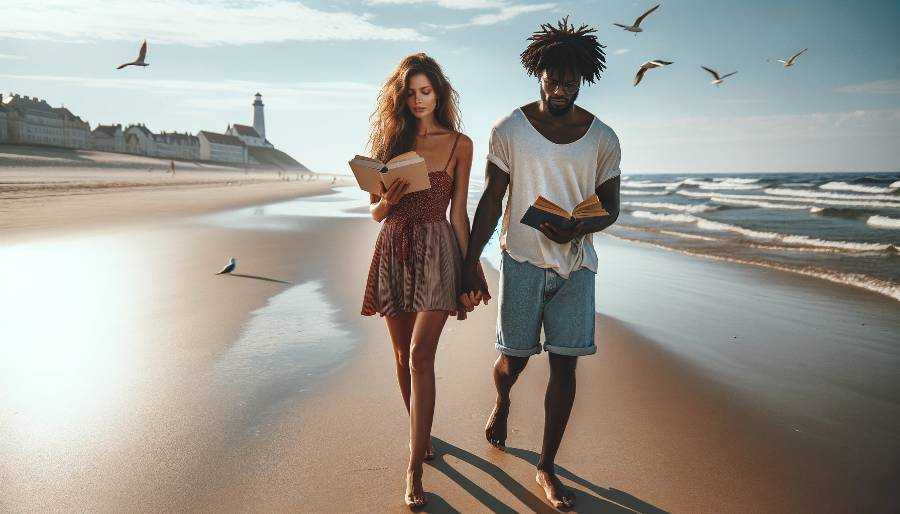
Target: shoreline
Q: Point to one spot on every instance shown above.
(870, 284)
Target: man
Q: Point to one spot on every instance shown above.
(559, 150)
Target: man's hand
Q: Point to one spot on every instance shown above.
(474, 288)
(563, 235)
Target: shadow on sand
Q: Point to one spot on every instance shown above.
(606, 501)
(260, 278)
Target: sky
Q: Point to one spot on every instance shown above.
(319, 65)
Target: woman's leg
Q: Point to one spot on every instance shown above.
(426, 333)
(401, 329)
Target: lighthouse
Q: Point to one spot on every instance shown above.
(259, 118)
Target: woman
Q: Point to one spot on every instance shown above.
(414, 277)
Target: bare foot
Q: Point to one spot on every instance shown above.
(558, 495)
(415, 495)
(495, 430)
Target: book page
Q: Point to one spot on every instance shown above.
(361, 160)
(416, 174)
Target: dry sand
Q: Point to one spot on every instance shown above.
(45, 191)
(155, 404)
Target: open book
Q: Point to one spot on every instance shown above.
(370, 172)
(544, 210)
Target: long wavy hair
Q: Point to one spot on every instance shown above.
(393, 128)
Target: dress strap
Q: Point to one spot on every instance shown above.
(451, 152)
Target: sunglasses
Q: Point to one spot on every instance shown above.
(552, 84)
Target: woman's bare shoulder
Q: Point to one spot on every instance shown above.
(465, 142)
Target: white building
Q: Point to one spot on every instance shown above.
(222, 148)
(248, 135)
(259, 117)
(172, 145)
(108, 138)
(139, 140)
(33, 121)
(4, 133)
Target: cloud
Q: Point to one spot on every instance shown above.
(447, 4)
(506, 13)
(620, 51)
(503, 10)
(12, 57)
(225, 95)
(190, 22)
(884, 87)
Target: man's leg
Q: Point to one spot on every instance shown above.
(518, 335)
(569, 319)
(557, 407)
(506, 371)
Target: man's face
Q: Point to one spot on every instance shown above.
(559, 90)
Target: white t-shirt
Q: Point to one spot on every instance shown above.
(565, 174)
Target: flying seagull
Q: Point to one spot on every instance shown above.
(718, 80)
(649, 65)
(790, 61)
(140, 60)
(228, 267)
(636, 27)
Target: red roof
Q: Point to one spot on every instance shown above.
(222, 139)
(245, 130)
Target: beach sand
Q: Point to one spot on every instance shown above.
(138, 381)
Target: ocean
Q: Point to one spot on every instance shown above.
(841, 227)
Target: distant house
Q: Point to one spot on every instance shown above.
(222, 148)
(139, 140)
(108, 138)
(4, 133)
(31, 120)
(172, 145)
(248, 135)
(76, 132)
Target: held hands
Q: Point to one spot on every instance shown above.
(474, 287)
(393, 194)
(563, 235)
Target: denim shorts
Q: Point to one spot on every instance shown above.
(531, 297)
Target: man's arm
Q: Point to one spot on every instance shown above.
(486, 216)
(608, 193)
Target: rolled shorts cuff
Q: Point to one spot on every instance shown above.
(518, 352)
(569, 351)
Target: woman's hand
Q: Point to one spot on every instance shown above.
(393, 194)
(474, 288)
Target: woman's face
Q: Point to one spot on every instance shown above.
(420, 96)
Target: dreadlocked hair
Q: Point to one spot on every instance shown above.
(563, 47)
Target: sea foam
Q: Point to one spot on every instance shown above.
(883, 222)
(843, 186)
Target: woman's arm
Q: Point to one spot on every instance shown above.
(380, 205)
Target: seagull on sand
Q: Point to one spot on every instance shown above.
(140, 60)
(791, 59)
(228, 267)
(636, 27)
(718, 80)
(649, 65)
